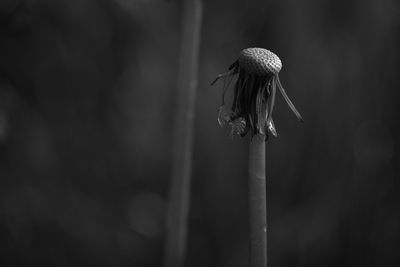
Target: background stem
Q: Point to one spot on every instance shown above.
(179, 195)
(257, 203)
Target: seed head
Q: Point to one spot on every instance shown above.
(259, 61)
(257, 71)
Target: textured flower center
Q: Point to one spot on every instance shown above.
(259, 61)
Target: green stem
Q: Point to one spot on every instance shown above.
(257, 203)
(179, 195)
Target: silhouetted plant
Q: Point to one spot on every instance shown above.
(253, 102)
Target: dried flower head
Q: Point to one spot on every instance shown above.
(257, 71)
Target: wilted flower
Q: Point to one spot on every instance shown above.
(254, 92)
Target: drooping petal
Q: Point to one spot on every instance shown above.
(225, 74)
(271, 128)
(290, 104)
(271, 98)
(261, 109)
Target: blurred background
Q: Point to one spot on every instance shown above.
(87, 93)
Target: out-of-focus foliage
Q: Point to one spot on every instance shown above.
(86, 103)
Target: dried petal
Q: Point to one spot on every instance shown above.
(254, 93)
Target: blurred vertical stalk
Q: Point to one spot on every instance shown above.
(257, 202)
(179, 194)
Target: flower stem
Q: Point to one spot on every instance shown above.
(257, 202)
(179, 194)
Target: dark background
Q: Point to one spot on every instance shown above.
(86, 111)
